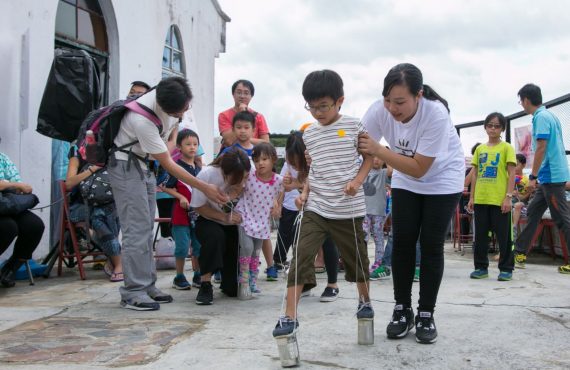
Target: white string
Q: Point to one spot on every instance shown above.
(298, 222)
(358, 258)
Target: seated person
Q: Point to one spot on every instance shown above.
(26, 226)
(103, 220)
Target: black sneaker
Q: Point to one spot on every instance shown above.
(329, 295)
(285, 327)
(137, 305)
(426, 332)
(205, 294)
(364, 311)
(159, 296)
(196, 281)
(402, 322)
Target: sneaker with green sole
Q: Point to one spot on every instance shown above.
(505, 276)
(479, 274)
(564, 269)
(520, 261)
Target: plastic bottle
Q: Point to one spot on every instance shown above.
(90, 147)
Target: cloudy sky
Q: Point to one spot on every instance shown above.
(476, 54)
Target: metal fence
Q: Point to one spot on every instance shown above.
(519, 129)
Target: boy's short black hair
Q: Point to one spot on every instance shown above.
(322, 84)
(532, 93)
(521, 158)
(173, 94)
(185, 133)
(244, 116)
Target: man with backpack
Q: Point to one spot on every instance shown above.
(134, 185)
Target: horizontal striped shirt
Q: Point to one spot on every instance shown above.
(335, 162)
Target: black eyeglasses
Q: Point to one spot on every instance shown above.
(321, 108)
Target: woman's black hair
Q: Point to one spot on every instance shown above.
(185, 133)
(406, 74)
(266, 149)
(502, 120)
(295, 154)
(234, 163)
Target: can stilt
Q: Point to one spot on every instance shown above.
(244, 293)
(288, 350)
(366, 331)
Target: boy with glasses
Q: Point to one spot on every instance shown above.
(333, 197)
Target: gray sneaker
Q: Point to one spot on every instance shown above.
(159, 296)
(140, 304)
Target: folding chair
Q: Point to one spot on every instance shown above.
(68, 232)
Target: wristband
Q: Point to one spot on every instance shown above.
(532, 177)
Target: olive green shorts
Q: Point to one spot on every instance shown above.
(314, 231)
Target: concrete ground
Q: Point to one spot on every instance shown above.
(485, 324)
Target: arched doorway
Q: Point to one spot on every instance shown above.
(81, 36)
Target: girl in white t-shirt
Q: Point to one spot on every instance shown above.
(428, 163)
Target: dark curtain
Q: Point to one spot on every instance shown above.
(72, 91)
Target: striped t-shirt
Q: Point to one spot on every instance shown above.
(335, 162)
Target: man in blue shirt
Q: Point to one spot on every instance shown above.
(550, 168)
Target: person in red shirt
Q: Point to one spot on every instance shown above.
(242, 92)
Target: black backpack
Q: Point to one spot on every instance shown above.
(105, 123)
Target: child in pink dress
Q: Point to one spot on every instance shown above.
(261, 199)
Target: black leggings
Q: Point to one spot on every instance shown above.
(426, 216)
(28, 227)
(285, 236)
(219, 252)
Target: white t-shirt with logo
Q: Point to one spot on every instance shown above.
(429, 133)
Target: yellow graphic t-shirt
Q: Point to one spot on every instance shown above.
(492, 175)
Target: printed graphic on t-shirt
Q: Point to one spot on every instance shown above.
(368, 186)
(488, 168)
(402, 148)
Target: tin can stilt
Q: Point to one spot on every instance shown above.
(366, 331)
(244, 293)
(288, 350)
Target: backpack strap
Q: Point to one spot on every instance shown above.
(146, 112)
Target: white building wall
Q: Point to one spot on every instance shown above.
(136, 42)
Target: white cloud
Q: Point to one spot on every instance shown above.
(476, 54)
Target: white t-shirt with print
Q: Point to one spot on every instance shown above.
(134, 126)
(429, 133)
(335, 162)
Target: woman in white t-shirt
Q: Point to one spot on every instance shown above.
(428, 163)
(216, 227)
